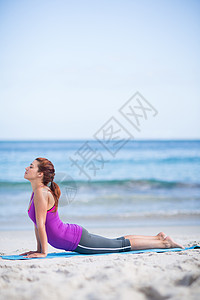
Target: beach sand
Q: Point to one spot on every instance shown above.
(170, 275)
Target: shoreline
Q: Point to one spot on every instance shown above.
(110, 226)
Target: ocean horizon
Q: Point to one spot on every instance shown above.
(137, 183)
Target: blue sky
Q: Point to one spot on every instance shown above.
(66, 67)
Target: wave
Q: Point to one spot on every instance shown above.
(129, 183)
(153, 215)
(166, 160)
(151, 183)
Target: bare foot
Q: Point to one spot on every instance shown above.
(161, 236)
(169, 243)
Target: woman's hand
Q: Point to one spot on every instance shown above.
(36, 254)
(29, 252)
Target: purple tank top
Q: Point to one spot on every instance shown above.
(59, 235)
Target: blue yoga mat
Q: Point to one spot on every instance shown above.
(73, 254)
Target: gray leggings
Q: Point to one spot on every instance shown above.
(94, 244)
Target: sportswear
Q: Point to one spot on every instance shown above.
(60, 235)
(97, 244)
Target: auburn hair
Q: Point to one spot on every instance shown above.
(47, 168)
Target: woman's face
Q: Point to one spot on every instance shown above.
(32, 171)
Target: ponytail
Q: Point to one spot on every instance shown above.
(56, 193)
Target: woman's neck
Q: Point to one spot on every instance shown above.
(35, 185)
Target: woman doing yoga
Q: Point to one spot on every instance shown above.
(43, 211)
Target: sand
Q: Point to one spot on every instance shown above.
(170, 275)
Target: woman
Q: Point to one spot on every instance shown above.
(72, 237)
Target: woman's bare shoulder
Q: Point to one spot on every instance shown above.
(45, 190)
(46, 193)
(48, 196)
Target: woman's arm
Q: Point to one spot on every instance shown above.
(39, 248)
(40, 203)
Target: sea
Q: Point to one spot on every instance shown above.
(136, 183)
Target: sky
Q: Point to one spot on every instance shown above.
(67, 67)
